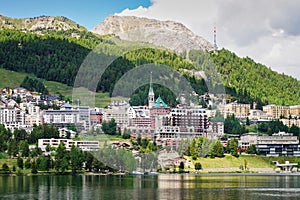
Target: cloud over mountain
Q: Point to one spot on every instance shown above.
(267, 31)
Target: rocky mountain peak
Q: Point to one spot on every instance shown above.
(38, 23)
(168, 34)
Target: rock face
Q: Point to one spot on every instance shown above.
(39, 23)
(168, 34)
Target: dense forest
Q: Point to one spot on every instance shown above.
(57, 56)
(247, 81)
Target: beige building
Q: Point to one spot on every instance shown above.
(238, 109)
(34, 116)
(277, 111)
(295, 110)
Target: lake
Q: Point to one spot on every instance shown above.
(163, 186)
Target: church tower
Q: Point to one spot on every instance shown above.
(151, 94)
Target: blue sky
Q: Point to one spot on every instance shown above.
(87, 14)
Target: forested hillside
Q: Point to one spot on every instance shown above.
(247, 81)
(249, 78)
(57, 56)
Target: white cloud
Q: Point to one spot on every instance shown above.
(266, 31)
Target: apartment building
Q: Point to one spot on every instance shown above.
(277, 111)
(295, 110)
(238, 109)
(12, 118)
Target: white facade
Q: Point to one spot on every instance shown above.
(34, 116)
(290, 122)
(63, 133)
(138, 111)
(12, 118)
(83, 145)
(248, 139)
(215, 130)
(117, 111)
(68, 115)
(259, 115)
(61, 116)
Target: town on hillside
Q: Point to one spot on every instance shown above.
(239, 128)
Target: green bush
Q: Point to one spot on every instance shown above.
(198, 166)
(5, 167)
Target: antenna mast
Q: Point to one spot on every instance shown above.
(215, 39)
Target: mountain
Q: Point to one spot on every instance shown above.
(57, 56)
(171, 35)
(40, 23)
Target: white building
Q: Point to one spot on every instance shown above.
(215, 130)
(280, 144)
(118, 111)
(67, 116)
(259, 115)
(290, 122)
(63, 133)
(12, 118)
(34, 115)
(247, 139)
(83, 145)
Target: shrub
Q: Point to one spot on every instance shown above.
(198, 166)
(5, 167)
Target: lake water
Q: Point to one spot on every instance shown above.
(164, 186)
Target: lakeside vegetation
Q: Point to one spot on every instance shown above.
(228, 163)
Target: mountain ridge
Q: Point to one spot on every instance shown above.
(169, 34)
(34, 24)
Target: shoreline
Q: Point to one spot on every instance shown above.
(211, 171)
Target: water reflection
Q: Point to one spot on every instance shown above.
(151, 187)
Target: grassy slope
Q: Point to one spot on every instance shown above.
(233, 162)
(10, 79)
(9, 162)
(13, 79)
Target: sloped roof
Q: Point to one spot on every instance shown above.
(159, 103)
(67, 105)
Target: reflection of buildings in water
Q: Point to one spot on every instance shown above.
(170, 186)
(143, 188)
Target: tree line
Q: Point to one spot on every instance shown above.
(36, 85)
(203, 147)
(16, 145)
